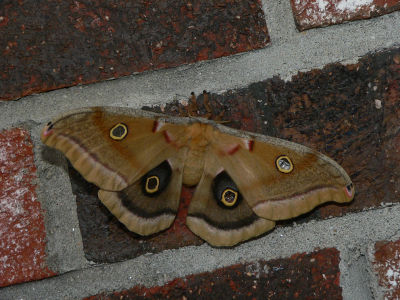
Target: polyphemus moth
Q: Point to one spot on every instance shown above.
(245, 181)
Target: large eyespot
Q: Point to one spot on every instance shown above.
(119, 131)
(225, 191)
(284, 164)
(229, 197)
(152, 184)
(157, 179)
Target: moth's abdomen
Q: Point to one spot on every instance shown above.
(194, 167)
(198, 145)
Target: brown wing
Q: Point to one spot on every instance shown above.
(132, 159)
(280, 179)
(110, 149)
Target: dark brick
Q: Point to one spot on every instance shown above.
(309, 13)
(302, 276)
(55, 44)
(22, 232)
(350, 113)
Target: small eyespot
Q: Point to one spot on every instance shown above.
(48, 129)
(50, 126)
(119, 132)
(284, 164)
(229, 197)
(152, 184)
(349, 190)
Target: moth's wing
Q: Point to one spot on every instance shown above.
(218, 224)
(110, 148)
(117, 150)
(276, 195)
(141, 212)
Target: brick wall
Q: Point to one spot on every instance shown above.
(59, 241)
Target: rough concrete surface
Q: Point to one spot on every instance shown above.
(64, 252)
(289, 52)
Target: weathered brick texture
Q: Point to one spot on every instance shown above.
(387, 268)
(22, 232)
(312, 13)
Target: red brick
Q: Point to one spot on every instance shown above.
(22, 232)
(387, 267)
(301, 276)
(313, 13)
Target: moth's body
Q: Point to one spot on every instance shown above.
(197, 142)
(197, 139)
(244, 181)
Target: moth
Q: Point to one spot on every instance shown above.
(245, 181)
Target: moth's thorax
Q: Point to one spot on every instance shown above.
(198, 137)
